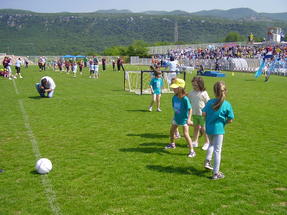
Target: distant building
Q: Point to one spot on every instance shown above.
(274, 34)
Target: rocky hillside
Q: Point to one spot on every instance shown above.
(29, 33)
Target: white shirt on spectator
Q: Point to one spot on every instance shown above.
(50, 83)
(18, 63)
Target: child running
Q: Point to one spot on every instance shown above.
(217, 112)
(156, 85)
(198, 98)
(182, 115)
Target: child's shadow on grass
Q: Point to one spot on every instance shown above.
(35, 97)
(158, 148)
(147, 150)
(149, 135)
(178, 170)
(137, 110)
(160, 144)
(34, 172)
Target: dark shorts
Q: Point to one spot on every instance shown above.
(17, 69)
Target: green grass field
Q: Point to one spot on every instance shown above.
(108, 157)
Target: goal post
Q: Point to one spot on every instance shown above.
(138, 81)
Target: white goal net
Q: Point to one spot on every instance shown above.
(138, 81)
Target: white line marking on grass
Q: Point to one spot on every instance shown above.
(50, 194)
(15, 87)
(29, 131)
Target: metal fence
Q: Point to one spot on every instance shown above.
(231, 64)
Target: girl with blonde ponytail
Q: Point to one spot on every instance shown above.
(220, 93)
(218, 112)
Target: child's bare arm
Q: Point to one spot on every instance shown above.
(189, 122)
(229, 121)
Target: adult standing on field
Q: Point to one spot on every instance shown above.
(173, 64)
(113, 64)
(120, 65)
(26, 63)
(18, 67)
(104, 63)
(85, 62)
(46, 85)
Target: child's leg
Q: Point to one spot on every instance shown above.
(177, 134)
(217, 142)
(173, 129)
(153, 99)
(210, 149)
(187, 137)
(171, 132)
(196, 133)
(158, 101)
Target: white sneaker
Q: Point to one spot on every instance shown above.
(207, 165)
(150, 109)
(191, 154)
(217, 176)
(158, 110)
(205, 146)
(195, 144)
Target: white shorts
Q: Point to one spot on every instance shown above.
(173, 122)
(96, 68)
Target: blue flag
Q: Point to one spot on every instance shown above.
(259, 71)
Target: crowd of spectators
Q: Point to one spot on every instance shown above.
(230, 51)
(228, 57)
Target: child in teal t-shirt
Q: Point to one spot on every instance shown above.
(218, 113)
(156, 84)
(182, 115)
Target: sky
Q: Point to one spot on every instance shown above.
(52, 6)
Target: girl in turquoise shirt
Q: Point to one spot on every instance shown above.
(156, 85)
(182, 115)
(218, 113)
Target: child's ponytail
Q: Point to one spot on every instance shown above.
(220, 93)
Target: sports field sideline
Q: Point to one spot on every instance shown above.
(108, 151)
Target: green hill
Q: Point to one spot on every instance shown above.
(242, 13)
(30, 33)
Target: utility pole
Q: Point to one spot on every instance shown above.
(175, 32)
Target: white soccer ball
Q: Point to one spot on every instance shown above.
(43, 166)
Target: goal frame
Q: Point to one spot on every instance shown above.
(142, 72)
